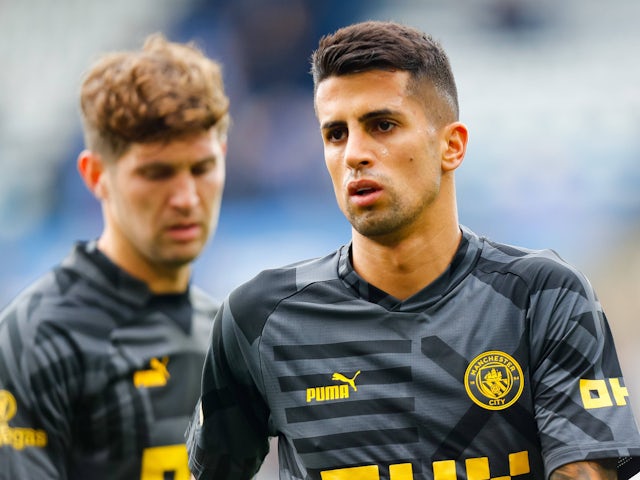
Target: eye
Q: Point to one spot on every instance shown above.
(201, 168)
(156, 172)
(336, 134)
(385, 126)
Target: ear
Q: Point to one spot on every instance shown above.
(91, 168)
(455, 136)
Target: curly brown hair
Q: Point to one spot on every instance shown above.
(163, 91)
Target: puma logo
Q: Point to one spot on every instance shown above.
(156, 376)
(333, 392)
(341, 378)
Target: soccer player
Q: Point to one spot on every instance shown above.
(419, 350)
(100, 360)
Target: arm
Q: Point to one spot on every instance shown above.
(227, 437)
(593, 470)
(34, 396)
(582, 404)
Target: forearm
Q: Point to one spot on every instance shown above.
(593, 470)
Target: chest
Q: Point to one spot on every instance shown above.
(400, 382)
(139, 389)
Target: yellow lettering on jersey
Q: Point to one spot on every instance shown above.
(401, 471)
(330, 392)
(367, 472)
(477, 468)
(8, 406)
(19, 438)
(333, 392)
(158, 461)
(444, 470)
(619, 392)
(16, 437)
(595, 394)
(519, 463)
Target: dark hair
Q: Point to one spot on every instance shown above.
(163, 91)
(377, 45)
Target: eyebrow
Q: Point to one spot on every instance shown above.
(383, 112)
(160, 163)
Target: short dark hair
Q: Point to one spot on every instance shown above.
(163, 91)
(377, 45)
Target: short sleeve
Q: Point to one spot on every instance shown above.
(581, 402)
(38, 375)
(227, 438)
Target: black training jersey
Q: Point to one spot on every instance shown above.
(98, 376)
(502, 368)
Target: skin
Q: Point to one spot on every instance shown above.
(391, 154)
(392, 171)
(594, 470)
(160, 203)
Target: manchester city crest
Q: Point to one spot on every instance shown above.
(494, 380)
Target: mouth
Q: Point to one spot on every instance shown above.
(185, 232)
(364, 193)
(363, 188)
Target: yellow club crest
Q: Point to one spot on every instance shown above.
(494, 380)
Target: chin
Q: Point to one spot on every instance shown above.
(181, 258)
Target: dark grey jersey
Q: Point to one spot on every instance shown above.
(98, 376)
(504, 367)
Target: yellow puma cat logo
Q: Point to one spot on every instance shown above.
(351, 381)
(333, 392)
(156, 376)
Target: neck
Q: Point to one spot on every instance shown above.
(405, 264)
(405, 268)
(159, 278)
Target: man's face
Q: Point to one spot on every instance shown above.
(162, 200)
(382, 151)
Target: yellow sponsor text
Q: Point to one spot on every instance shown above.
(16, 437)
(595, 393)
(20, 438)
(330, 392)
(333, 392)
(475, 469)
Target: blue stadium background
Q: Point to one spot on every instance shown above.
(550, 91)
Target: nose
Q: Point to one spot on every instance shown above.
(358, 153)
(185, 192)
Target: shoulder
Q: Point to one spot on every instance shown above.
(36, 329)
(537, 269)
(60, 305)
(34, 303)
(273, 285)
(251, 303)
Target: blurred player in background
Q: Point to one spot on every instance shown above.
(420, 350)
(100, 359)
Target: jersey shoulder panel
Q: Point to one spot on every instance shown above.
(252, 302)
(538, 269)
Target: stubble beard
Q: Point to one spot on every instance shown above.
(176, 256)
(379, 222)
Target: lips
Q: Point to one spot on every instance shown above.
(362, 187)
(364, 193)
(185, 231)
